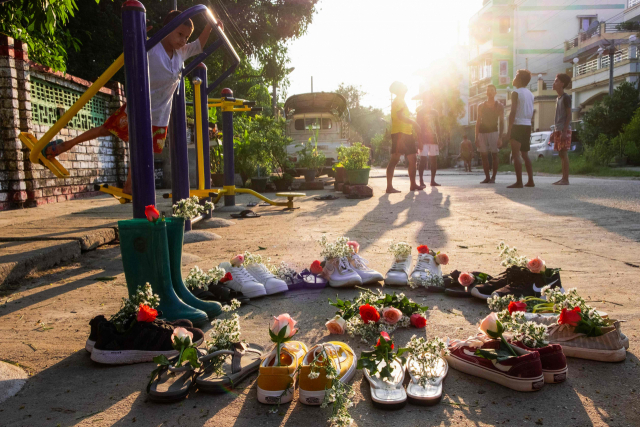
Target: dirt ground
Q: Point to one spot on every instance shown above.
(590, 229)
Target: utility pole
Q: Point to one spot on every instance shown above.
(311, 84)
(175, 4)
(612, 52)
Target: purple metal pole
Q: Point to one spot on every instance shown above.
(179, 154)
(200, 71)
(227, 145)
(136, 72)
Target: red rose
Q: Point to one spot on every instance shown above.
(418, 320)
(386, 338)
(152, 213)
(369, 314)
(316, 268)
(423, 249)
(226, 278)
(517, 306)
(571, 318)
(146, 314)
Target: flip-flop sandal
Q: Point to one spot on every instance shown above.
(388, 394)
(294, 281)
(245, 360)
(313, 281)
(225, 295)
(203, 294)
(172, 384)
(327, 197)
(264, 204)
(247, 213)
(454, 289)
(431, 394)
(252, 204)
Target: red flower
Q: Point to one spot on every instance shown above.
(571, 318)
(423, 249)
(369, 314)
(316, 268)
(146, 314)
(226, 278)
(517, 306)
(152, 213)
(418, 320)
(386, 338)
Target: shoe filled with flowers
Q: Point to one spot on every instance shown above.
(337, 267)
(428, 271)
(427, 368)
(460, 284)
(398, 274)
(360, 265)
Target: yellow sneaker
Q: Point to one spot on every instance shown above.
(276, 383)
(312, 390)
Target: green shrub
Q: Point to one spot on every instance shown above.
(354, 157)
(610, 115)
(381, 145)
(601, 151)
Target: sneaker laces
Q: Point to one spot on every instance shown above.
(399, 265)
(344, 266)
(263, 272)
(244, 275)
(359, 262)
(422, 264)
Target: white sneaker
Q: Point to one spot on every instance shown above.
(243, 281)
(271, 283)
(367, 274)
(341, 273)
(398, 274)
(426, 262)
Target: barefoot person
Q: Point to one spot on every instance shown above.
(402, 141)
(466, 152)
(165, 62)
(489, 128)
(519, 131)
(562, 133)
(428, 138)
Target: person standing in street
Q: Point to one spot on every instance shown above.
(466, 152)
(489, 128)
(562, 133)
(519, 131)
(428, 138)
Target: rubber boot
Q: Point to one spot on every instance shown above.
(145, 258)
(175, 235)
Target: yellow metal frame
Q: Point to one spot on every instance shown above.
(115, 192)
(36, 155)
(199, 145)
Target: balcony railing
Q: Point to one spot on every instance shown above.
(633, 3)
(587, 67)
(584, 37)
(546, 85)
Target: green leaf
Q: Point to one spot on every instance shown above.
(161, 360)
(497, 355)
(191, 355)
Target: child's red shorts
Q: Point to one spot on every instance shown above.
(118, 124)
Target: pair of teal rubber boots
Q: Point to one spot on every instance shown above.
(152, 252)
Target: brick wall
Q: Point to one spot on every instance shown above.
(24, 184)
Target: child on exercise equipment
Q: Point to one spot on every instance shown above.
(165, 66)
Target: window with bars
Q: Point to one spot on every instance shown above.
(47, 98)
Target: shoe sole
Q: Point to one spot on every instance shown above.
(556, 376)
(346, 284)
(129, 357)
(476, 293)
(592, 354)
(518, 384)
(394, 283)
(277, 289)
(315, 398)
(458, 294)
(255, 294)
(275, 397)
(89, 345)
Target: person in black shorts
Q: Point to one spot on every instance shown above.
(519, 131)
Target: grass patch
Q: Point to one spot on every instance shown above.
(578, 165)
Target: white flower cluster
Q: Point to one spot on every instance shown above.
(509, 256)
(191, 208)
(498, 303)
(224, 333)
(427, 280)
(199, 279)
(569, 300)
(338, 249)
(235, 304)
(427, 354)
(400, 250)
(130, 306)
(282, 271)
(250, 258)
(532, 334)
(370, 331)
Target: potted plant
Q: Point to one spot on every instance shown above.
(310, 160)
(259, 182)
(272, 148)
(354, 158)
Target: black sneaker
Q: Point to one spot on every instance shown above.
(141, 343)
(453, 288)
(484, 290)
(523, 283)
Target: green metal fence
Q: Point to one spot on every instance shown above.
(47, 98)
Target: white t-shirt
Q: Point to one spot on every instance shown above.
(164, 77)
(524, 111)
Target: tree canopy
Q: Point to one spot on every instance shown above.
(366, 121)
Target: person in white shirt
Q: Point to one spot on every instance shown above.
(519, 131)
(165, 61)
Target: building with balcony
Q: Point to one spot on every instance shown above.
(507, 35)
(587, 53)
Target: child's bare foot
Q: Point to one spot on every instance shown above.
(492, 181)
(416, 188)
(516, 185)
(530, 184)
(562, 182)
(435, 184)
(486, 181)
(392, 190)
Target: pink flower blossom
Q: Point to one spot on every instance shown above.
(466, 279)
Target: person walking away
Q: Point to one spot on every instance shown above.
(519, 131)
(428, 138)
(466, 152)
(489, 128)
(402, 141)
(562, 132)
(165, 64)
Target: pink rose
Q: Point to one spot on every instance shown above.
(391, 315)
(355, 246)
(284, 321)
(237, 260)
(536, 265)
(418, 320)
(489, 323)
(466, 279)
(181, 336)
(442, 259)
(336, 325)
